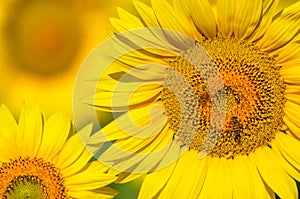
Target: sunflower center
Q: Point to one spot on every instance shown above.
(31, 178)
(26, 187)
(253, 95)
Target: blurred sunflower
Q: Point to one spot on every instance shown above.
(257, 53)
(37, 160)
(43, 43)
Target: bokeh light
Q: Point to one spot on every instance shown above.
(43, 44)
(43, 36)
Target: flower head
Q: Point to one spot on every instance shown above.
(229, 98)
(39, 160)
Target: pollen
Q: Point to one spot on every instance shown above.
(31, 178)
(253, 95)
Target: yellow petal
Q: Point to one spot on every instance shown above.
(127, 21)
(150, 154)
(155, 181)
(225, 11)
(273, 174)
(218, 176)
(91, 194)
(292, 127)
(89, 178)
(148, 42)
(148, 73)
(289, 147)
(290, 76)
(283, 29)
(292, 134)
(146, 14)
(187, 178)
(149, 18)
(73, 148)
(203, 17)
(293, 98)
(242, 178)
(261, 189)
(292, 89)
(155, 133)
(283, 4)
(110, 132)
(8, 132)
(295, 80)
(269, 7)
(4, 157)
(133, 123)
(291, 118)
(111, 85)
(287, 54)
(181, 7)
(30, 131)
(78, 164)
(56, 132)
(286, 165)
(291, 111)
(120, 25)
(148, 158)
(291, 105)
(88, 194)
(297, 38)
(135, 144)
(122, 101)
(128, 17)
(247, 18)
(169, 18)
(136, 58)
(291, 63)
(144, 160)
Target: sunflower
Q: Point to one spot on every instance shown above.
(37, 160)
(43, 43)
(257, 55)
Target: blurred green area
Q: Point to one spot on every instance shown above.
(128, 190)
